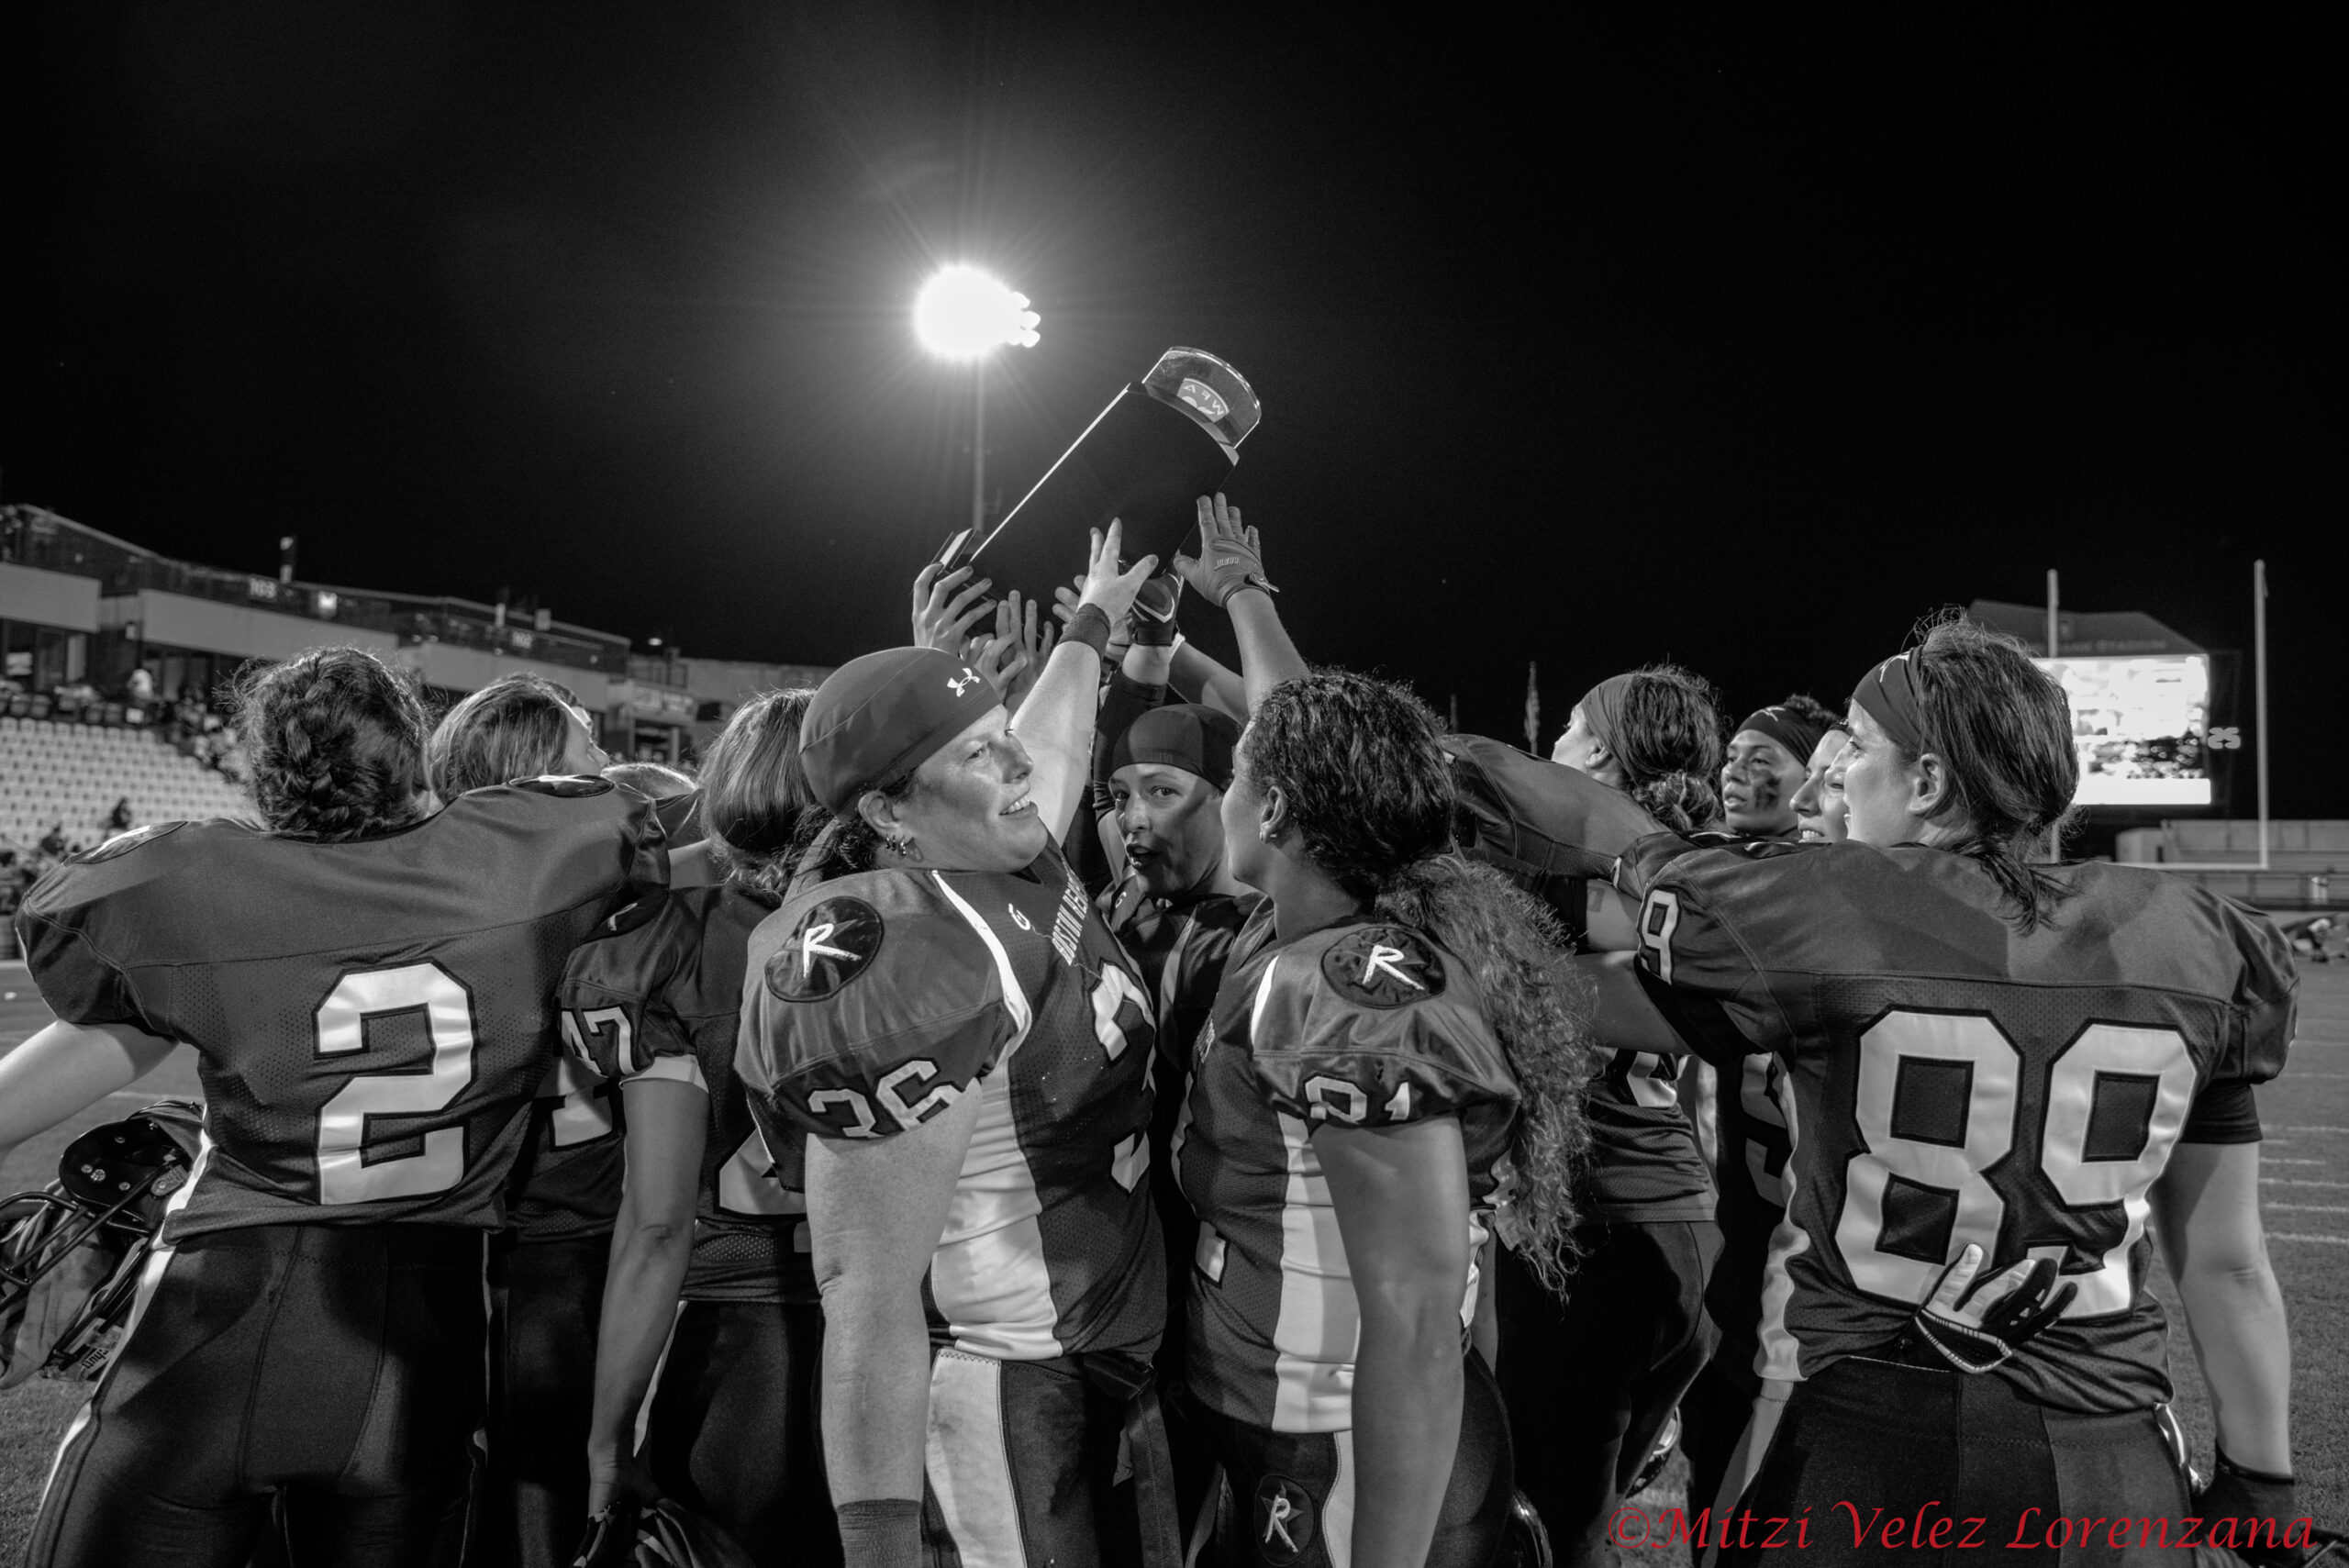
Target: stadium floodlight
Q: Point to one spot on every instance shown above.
(964, 314)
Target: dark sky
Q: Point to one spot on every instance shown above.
(1742, 339)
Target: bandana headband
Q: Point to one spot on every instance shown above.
(1602, 706)
(1890, 694)
(1788, 728)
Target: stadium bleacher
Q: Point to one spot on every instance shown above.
(72, 773)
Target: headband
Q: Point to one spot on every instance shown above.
(1890, 694)
(1798, 735)
(1182, 735)
(1602, 706)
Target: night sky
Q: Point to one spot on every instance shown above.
(1743, 340)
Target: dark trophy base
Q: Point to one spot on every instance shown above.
(1146, 460)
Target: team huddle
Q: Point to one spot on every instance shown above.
(1045, 1097)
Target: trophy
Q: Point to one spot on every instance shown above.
(1162, 442)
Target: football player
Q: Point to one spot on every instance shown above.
(677, 802)
(547, 1268)
(966, 1050)
(1177, 913)
(1755, 1143)
(2002, 1072)
(1393, 1022)
(1766, 765)
(710, 1277)
(1592, 1383)
(368, 987)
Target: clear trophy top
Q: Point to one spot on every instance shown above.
(1217, 395)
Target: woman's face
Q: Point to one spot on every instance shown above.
(1758, 784)
(1245, 854)
(1171, 824)
(970, 809)
(1820, 808)
(579, 753)
(1580, 747)
(1880, 789)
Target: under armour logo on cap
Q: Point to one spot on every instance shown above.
(957, 687)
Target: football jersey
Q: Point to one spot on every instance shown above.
(1553, 831)
(658, 994)
(1957, 1079)
(372, 1017)
(1755, 1113)
(1180, 947)
(1363, 1025)
(874, 1002)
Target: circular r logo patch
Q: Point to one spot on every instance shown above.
(1285, 1520)
(830, 946)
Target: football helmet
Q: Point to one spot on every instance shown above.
(71, 1252)
(661, 1535)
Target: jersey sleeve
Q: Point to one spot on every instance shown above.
(615, 1015)
(61, 930)
(1376, 1028)
(2267, 999)
(1695, 972)
(865, 1018)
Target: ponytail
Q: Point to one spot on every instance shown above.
(1667, 742)
(1540, 1011)
(1686, 803)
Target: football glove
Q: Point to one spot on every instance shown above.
(2268, 1532)
(1229, 557)
(1977, 1326)
(1151, 625)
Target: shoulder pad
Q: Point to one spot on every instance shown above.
(123, 843)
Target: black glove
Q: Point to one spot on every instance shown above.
(2268, 1533)
(1977, 1326)
(1152, 624)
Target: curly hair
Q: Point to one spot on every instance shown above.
(1669, 744)
(2003, 728)
(754, 795)
(514, 728)
(335, 740)
(1359, 763)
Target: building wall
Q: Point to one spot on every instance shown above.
(48, 598)
(179, 620)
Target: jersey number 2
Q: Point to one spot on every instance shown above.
(345, 1173)
(1991, 1069)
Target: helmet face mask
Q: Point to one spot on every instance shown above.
(71, 1253)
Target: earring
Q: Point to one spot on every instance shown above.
(907, 847)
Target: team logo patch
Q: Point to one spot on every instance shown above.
(1383, 966)
(830, 946)
(1284, 1519)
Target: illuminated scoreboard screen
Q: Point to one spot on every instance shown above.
(2142, 725)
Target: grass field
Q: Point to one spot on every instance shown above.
(2304, 1186)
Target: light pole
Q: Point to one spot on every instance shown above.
(965, 314)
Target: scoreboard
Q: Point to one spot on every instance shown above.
(2142, 725)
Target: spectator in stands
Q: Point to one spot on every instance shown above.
(118, 819)
(52, 843)
(141, 690)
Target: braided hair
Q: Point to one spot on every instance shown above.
(1370, 792)
(1668, 742)
(2002, 728)
(754, 795)
(335, 740)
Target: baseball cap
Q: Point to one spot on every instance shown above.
(880, 716)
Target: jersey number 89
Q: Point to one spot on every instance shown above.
(1991, 1070)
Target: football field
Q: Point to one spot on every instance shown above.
(2304, 1188)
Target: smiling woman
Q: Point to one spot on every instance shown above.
(962, 1043)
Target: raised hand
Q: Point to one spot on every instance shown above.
(943, 617)
(1002, 658)
(1107, 587)
(1230, 557)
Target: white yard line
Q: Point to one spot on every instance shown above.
(2322, 1240)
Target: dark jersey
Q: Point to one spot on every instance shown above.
(1756, 1120)
(1181, 947)
(1957, 1079)
(1363, 1025)
(372, 1017)
(660, 996)
(876, 1001)
(1554, 831)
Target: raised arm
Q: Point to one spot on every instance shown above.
(1056, 724)
(1229, 572)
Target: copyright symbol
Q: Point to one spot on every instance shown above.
(1629, 1527)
